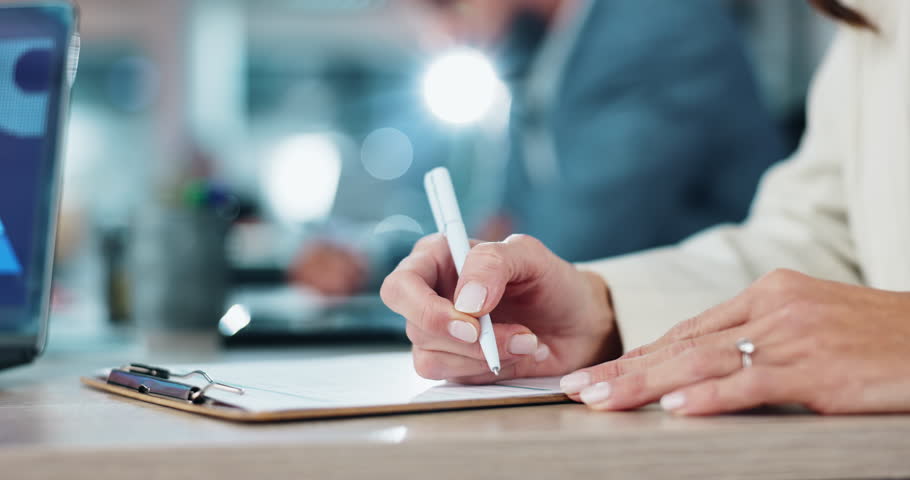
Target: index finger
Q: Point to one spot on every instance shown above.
(420, 287)
(417, 278)
(432, 261)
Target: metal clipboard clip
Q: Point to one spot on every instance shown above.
(158, 381)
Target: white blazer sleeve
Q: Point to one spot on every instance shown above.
(798, 221)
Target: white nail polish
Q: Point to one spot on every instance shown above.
(598, 393)
(463, 331)
(672, 401)
(471, 298)
(542, 353)
(524, 344)
(575, 382)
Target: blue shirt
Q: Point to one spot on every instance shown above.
(657, 127)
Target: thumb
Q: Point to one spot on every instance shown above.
(490, 267)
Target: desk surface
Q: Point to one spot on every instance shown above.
(54, 427)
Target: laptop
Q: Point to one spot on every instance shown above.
(38, 55)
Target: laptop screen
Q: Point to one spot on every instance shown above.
(31, 51)
(24, 99)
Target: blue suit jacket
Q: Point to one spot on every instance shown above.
(659, 132)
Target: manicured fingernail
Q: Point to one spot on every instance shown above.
(463, 331)
(575, 382)
(672, 401)
(542, 353)
(597, 393)
(524, 344)
(471, 298)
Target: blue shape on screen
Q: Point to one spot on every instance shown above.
(24, 91)
(9, 265)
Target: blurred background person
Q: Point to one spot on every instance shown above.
(194, 181)
(642, 114)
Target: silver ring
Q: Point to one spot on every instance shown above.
(747, 348)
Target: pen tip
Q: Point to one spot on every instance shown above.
(495, 371)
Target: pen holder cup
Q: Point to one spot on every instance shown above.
(179, 270)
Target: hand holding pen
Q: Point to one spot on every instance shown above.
(539, 329)
(444, 204)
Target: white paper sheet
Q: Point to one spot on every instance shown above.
(350, 381)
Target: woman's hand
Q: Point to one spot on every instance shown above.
(330, 269)
(549, 318)
(832, 347)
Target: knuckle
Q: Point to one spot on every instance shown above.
(414, 334)
(701, 364)
(800, 308)
(429, 242)
(783, 275)
(634, 353)
(488, 255)
(799, 317)
(782, 280)
(524, 240)
(412, 262)
(635, 384)
(684, 328)
(777, 321)
(390, 290)
(426, 366)
(610, 370)
(681, 347)
(430, 318)
(490, 249)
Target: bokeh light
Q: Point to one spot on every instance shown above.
(234, 320)
(302, 176)
(387, 153)
(397, 224)
(461, 87)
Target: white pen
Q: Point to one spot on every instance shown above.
(444, 204)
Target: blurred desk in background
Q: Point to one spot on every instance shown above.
(51, 427)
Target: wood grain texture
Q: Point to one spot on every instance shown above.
(54, 427)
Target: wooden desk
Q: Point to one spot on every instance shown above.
(56, 428)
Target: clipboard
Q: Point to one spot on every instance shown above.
(337, 387)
